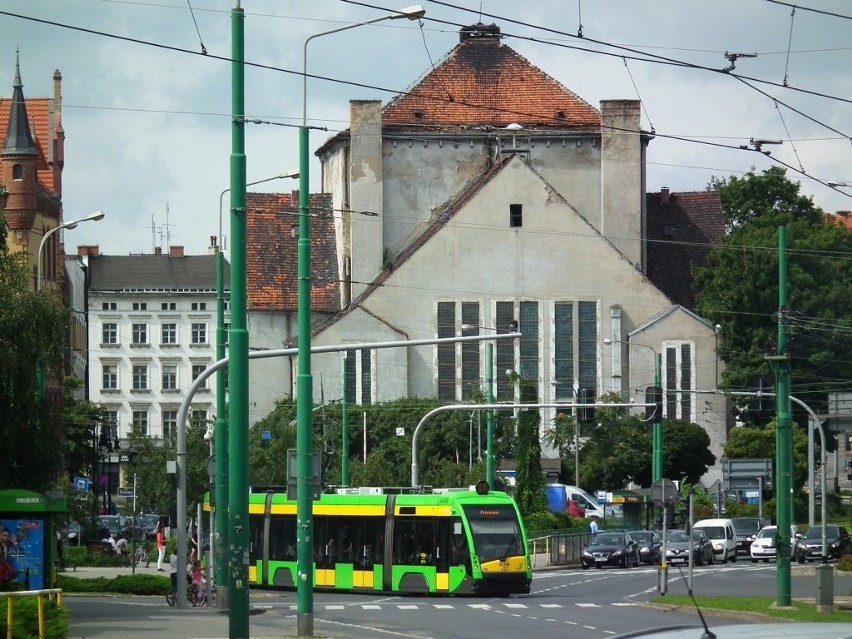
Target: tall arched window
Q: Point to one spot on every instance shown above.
(18, 172)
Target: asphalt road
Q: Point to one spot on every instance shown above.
(565, 603)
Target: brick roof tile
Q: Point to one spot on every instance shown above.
(680, 233)
(272, 253)
(38, 113)
(482, 82)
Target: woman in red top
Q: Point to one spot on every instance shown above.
(161, 546)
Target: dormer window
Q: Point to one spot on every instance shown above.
(18, 172)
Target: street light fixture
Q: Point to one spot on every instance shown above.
(304, 380)
(92, 217)
(489, 398)
(220, 431)
(657, 458)
(576, 388)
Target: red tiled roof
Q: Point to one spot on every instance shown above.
(38, 113)
(681, 230)
(482, 82)
(272, 253)
(841, 218)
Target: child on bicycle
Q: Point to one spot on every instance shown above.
(198, 582)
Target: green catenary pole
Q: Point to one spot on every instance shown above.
(304, 410)
(220, 446)
(344, 427)
(783, 436)
(657, 462)
(238, 533)
(489, 416)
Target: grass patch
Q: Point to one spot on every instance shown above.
(801, 610)
(25, 620)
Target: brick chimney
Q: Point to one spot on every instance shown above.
(90, 250)
(175, 251)
(664, 196)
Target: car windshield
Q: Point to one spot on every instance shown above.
(677, 536)
(714, 532)
(769, 531)
(608, 539)
(112, 522)
(744, 526)
(816, 532)
(642, 537)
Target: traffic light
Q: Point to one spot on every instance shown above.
(763, 405)
(654, 395)
(586, 415)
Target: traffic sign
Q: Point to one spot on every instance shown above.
(81, 484)
(664, 492)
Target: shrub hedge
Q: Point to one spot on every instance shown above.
(123, 584)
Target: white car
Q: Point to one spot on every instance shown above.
(763, 547)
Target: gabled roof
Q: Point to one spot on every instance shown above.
(272, 253)
(150, 272)
(681, 230)
(482, 82)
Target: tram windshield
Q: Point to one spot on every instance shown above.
(496, 531)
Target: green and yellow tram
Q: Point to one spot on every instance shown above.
(441, 541)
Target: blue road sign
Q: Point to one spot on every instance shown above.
(81, 484)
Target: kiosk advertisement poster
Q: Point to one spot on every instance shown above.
(22, 547)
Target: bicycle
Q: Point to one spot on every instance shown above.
(191, 596)
(140, 555)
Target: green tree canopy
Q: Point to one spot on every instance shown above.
(758, 442)
(617, 449)
(33, 329)
(443, 445)
(738, 289)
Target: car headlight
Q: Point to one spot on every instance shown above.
(587, 553)
(718, 546)
(751, 537)
(644, 549)
(616, 553)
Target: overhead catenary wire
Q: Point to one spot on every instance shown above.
(661, 59)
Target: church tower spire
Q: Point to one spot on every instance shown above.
(19, 161)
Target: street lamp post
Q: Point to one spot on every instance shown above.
(657, 457)
(92, 217)
(304, 381)
(219, 548)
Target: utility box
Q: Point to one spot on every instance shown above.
(825, 588)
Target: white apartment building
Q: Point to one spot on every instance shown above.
(152, 331)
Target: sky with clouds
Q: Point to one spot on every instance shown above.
(146, 111)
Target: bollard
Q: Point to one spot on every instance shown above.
(825, 588)
(663, 578)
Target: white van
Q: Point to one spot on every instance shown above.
(722, 534)
(585, 501)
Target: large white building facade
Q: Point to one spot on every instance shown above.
(152, 331)
(496, 195)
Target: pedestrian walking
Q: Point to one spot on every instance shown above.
(161, 545)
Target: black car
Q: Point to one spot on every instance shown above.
(611, 549)
(746, 529)
(809, 547)
(677, 547)
(650, 545)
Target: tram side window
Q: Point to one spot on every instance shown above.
(368, 541)
(459, 552)
(282, 538)
(418, 540)
(324, 541)
(255, 537)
